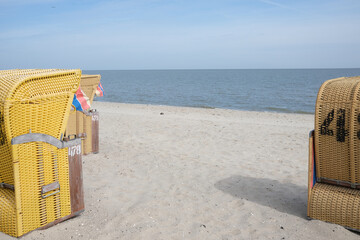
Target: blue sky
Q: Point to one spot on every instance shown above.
(175, 34)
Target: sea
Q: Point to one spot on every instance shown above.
(272, 90)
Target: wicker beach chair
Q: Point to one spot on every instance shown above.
(40, 175)
(89, 84)
(334, 154)
(85, 124)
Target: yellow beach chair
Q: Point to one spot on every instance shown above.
(334, 154)
(39, 173)
(89, 84)
(85, 125)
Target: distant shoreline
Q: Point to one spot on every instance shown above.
(218, 69)
(201, 107)
(284, 91)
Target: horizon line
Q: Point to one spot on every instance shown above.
(172, 69)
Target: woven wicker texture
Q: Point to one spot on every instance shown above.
(337, 130)
(310, 167)
(340, 205)
(80, 127)
(8, 211)
(88, 130)
(7, 81)
(336, 147)
(75, 126)
(46, 164)
(95, 131)
(89, 84)
(10, 79)
(81, 124)
(36, 101)
(71, 124)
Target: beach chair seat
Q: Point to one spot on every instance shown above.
(334, 154)
(39, 173)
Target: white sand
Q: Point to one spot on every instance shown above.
(196, 174)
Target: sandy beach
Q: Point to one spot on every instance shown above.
(192, 173)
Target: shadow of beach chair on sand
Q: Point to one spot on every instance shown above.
(40, 175)
(334, 154)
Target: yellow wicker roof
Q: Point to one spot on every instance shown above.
(13, 81)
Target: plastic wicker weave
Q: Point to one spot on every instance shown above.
(80, 127)
(340, 205)
(333, 189)
(71, 124)
(75, 126)
(34, 101)
(8, 211)
(87, 143)
(89, 84)
(81, 124)
(337, 130)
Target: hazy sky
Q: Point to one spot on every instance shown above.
(175, 34)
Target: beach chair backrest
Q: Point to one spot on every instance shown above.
(89, 84)
(337, 132)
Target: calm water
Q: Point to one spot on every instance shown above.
(259, 90)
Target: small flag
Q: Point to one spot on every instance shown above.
(99, 91)
(81, 101)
